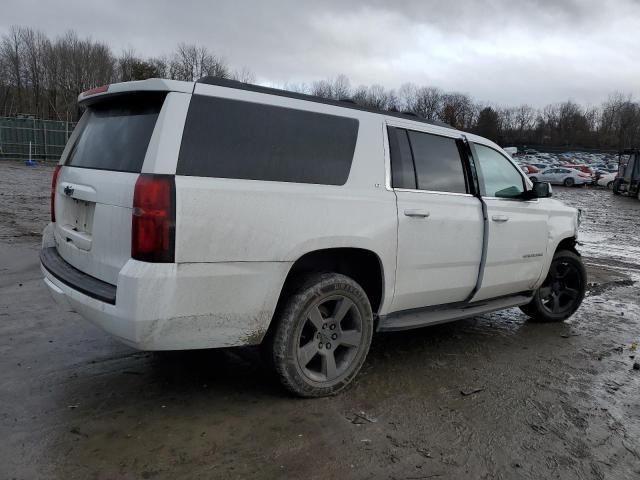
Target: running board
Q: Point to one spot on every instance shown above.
(408, 319)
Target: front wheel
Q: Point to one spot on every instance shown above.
(609, 185)
(569, 182)
(562, 291)
(533, 179)
(322, 335)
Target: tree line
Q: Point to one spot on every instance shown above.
(43, 76)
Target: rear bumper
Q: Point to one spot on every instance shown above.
(53, 263)
(177, 306)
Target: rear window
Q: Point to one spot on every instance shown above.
(115, 133)
(235, 139)
(438, 163)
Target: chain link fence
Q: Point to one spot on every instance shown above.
(30, 138)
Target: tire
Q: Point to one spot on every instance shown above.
(534, 179)
(616, 187)
(609, 185)
(311, 351)
(569, 182)
(567, 279)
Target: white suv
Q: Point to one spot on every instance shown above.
(219, 214)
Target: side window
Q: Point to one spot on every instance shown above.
(438, 163)
(499, 177)
(234, 139)
(402, 172)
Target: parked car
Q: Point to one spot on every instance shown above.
(532, 168)
(607, 180)
(561, 176)
(539, 166)
(221, 214)
(581, 168)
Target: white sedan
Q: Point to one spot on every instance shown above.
(561, 176)
(607, 180)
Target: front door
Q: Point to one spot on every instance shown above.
(518, 229)
(440, 224)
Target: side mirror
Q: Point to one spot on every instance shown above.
(542, 190)
(539, 190)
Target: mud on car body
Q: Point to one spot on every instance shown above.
(216, 214)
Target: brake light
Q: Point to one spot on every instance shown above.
(54, 184)
(94, 91)
(153, 224)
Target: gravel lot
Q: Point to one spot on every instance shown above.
(550, 401)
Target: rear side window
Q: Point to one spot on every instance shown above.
(234, 139)
(114, 133)
(438, 163)
(402, 171)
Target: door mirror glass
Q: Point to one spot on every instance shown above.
(541, 190)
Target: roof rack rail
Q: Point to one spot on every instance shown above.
(344, 103)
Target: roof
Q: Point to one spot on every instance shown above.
(343, 103)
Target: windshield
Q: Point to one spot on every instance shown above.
(115, 133)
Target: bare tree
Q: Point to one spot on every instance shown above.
(191, 62)
(12, 61)
(244, 75)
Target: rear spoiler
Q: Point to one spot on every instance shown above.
(150, 85)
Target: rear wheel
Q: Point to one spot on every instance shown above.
(322, 335)
(562, 291)
(569, 182)
(609, 185)
(534, 179)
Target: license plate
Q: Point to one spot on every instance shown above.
(78, 214)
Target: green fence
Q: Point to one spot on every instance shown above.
(44, 140)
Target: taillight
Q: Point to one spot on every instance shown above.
(93, 91)
(153, 226)
(54, 184)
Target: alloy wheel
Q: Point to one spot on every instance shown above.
(330, 338)
(561, 289)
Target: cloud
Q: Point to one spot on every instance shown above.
(499, 51)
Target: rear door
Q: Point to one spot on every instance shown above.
(94, 194)
(440, 224)
(518, 229)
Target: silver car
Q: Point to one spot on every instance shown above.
(561, 176)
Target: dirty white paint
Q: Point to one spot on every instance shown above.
(236, 240)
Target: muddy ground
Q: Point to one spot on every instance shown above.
(551, 400)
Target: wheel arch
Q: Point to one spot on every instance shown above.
(568, 243)
(363, 265)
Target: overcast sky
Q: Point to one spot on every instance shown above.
(498, 51)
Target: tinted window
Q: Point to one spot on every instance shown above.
(402, 172)
(233, 139)
(115, 133)
(499, 177)
(438, 163)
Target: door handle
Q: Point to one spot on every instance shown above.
(499, 218)
(410, 212)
